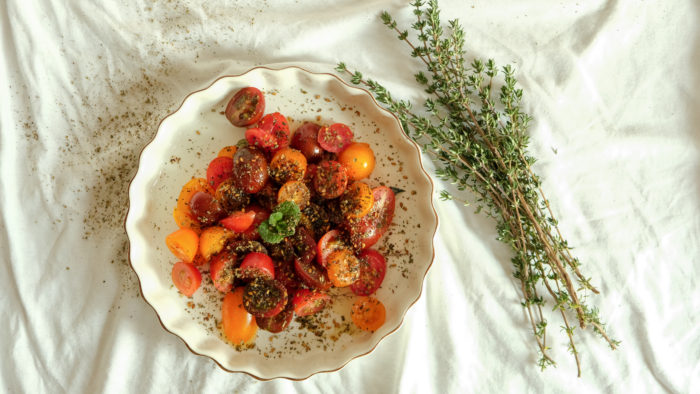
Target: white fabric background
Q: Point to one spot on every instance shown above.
(612, 86)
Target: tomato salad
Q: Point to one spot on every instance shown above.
(279, 220)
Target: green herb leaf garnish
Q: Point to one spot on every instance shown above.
(282, 222)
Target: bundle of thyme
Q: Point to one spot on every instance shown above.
(474, 128)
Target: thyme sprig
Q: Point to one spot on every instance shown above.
(473, 127)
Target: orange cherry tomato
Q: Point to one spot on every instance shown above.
(294, 191)
(183, 214)
(357, 200)
(212, 241)
(358, 158)
(288, 165)
(343, 268)
(239, 326)
(186, 278)
(368, 313)
(183, 243)
(227, 151)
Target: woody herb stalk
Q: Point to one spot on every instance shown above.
(474, 129)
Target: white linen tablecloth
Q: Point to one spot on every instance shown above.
(613, 88)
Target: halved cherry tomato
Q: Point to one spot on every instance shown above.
(358, 158)
(260, 138)
(219, 170)
(357, 200)
(278, 322)
(205, 208)
(305, 139)
(246, 107)
(278, 126)
(221, 270)
(368, 313)
(287, 165)
(264, 297)
(329, 243)
(366, 231)
(227, 151)
(335, 138)
(186, 278)
(239, 221)
(285, 274)
(212, 241)
(238, 325)
(331, 179)
(307, 302)
(250, 167)
(261, 214)
(183, 243)
(256, 265)
(304, 245)
(343, 268)
(294, 191)
(372, 271)
(230, 196)
(311, 274)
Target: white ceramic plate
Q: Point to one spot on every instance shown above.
(191, 137)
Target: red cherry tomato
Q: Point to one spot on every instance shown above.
(311, 274)
(219, 170)
(329, 243)
(278, 322)
(246, 107)
(239, 221)
(307, 302)
(372, 271)
(366, 231)
(221, 271)
(335, 138)
(260, 138)
(331, 179)
(186, 278)
(261, 214)
(277, 125)
(256, 265)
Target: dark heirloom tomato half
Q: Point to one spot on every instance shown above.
(278, 322)
(231, 197)
(246, 107)
(250, 169)
(372, 271)
(205, 208)
(366, 231)
(264, 297)
(311, 274)
(305, 139)
(221, 270)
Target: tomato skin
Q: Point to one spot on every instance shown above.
(264, 297)
(335, 138)
(311, 274)
(372, 272)
(305, 139)
(329, 243)
(277, 125)
(239, 221)
(245, 107)
(366, 231)
(307, 302)
(219, 170)
(331, 179)
(279, 322)
(183, 243)
(260, 138)
(357, 201)
(186, 278)
(359, 160)
(250, 169)
(205, 208)
(221, 271)
(257, 264)
(239, 326)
